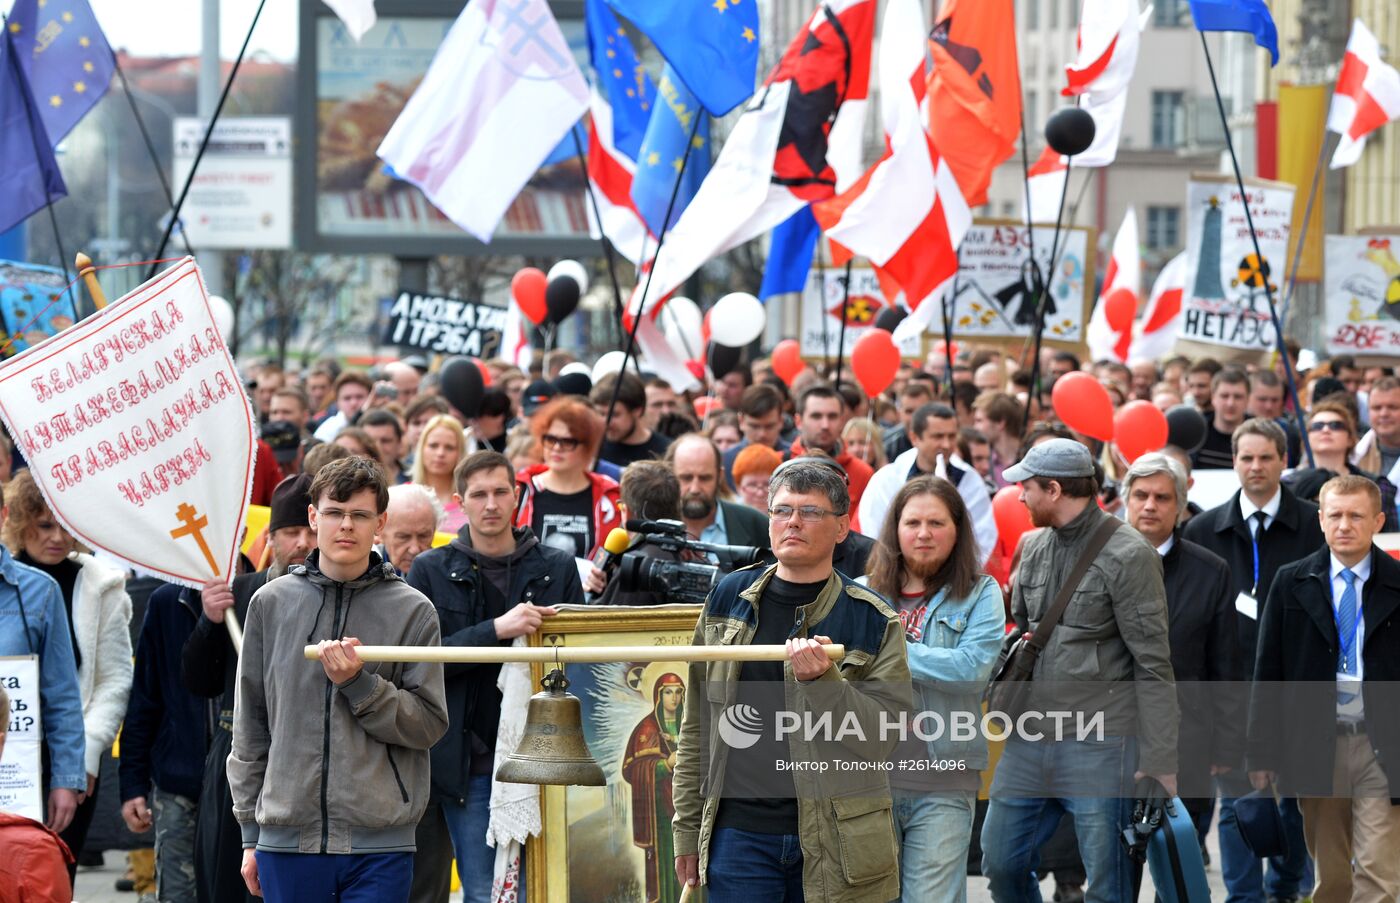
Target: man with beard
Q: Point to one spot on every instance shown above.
(1113, 633)
(486, 584)
(208, 665)
(698, 464)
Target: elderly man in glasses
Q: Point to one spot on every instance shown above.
(763, 812)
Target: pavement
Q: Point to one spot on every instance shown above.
(95, 885)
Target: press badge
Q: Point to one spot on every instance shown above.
(1246, 605)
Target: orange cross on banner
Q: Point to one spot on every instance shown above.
(194, 524)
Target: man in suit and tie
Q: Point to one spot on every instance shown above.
(1325, 713)
(1260, 529)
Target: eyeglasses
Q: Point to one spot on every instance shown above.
(563, 443)
(1335, 426)
(358, 518)
(810, 514)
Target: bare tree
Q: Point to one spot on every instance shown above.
(283, 294)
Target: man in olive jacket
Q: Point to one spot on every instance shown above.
(755, 818)
(1107, 655)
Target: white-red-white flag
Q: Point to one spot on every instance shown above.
(907, 214)
(1110, 330)
(1157, 328)
(1367, 95)
(1045, 188)
(1106, 55)
(501, 93)
(610, 171)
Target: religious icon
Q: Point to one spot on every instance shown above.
(647, 765)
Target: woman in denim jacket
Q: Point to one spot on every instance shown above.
(926, 564)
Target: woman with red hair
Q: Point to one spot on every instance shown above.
(567, 505)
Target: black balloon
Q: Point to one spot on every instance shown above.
(890, 317)
(1186, 428)
(560, 298)
(722, 359)
(460, 383)
(1070, 131)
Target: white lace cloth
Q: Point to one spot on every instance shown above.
(515, 808)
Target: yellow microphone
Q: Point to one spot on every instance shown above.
(607, 558)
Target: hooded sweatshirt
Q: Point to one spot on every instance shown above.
(318, 767)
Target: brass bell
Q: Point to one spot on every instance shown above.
(552, 749)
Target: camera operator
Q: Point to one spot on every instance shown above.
(649, 491)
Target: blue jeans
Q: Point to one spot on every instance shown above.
(745, 867)
(933, 832)
(1245, 880)
(360, 878)
(476, 862)
(1036, 784)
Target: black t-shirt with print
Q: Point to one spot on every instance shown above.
(565, 521)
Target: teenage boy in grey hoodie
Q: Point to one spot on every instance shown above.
(329, 770)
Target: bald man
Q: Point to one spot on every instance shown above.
(413, 516)
(405, 378)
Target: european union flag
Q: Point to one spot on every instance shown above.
(1248, 16)
(29, 176)
(663, 149)
(712, 44)
(620, 77)
(790, 254)
(66, 57)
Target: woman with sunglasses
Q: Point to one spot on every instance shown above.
(1332, 435)
(566, 504)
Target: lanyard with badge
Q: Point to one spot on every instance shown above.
(1247, 604)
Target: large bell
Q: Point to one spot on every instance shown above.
(552, 749)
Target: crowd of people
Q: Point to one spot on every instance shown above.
(258, 773)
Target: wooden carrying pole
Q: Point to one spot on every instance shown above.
(577, 654)
(89, 276)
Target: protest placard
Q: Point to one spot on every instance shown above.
(1363, 295)
(445, 325)
(21, 765)
(821, 312)
(1225, 302)
(138, 431)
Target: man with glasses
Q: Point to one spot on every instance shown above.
(329, 770)
(746, 836)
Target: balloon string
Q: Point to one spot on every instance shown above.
(65, 290)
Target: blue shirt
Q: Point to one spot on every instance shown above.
(34, 621)
(716, 533)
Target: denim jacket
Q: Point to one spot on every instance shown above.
(34, 621)
(953, 661)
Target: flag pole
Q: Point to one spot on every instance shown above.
(841, 341)
(821, 281)
(602, 236)
(631, 347)
(1042, 285)
(204, 144)
(1307, 218)
(1258, 254)
(948, 299)
(150, 145)
(32, 115)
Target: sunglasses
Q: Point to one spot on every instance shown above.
(563, 443)
(1332, 426)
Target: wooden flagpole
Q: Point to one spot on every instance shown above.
(576, 654)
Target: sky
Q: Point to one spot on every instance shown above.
(172, 27)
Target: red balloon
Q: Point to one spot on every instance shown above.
(1083, 404)
(1138, 428)
(942, 350)
(787, 360)
(527, 287)
(697, 369)
(1119, 309)
(1012, 517)
(485, 371)
(704, 405)
(875, 360)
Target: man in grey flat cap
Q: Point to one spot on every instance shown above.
(1105, 654)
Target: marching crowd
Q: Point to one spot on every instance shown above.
(259, 773)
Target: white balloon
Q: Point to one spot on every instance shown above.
(576, 367)
(681, 323)
(610, 363)
(571, 268)
(222, 312)
(737, 319)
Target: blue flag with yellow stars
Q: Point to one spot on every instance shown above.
(621, 78)
(662, 150)
(66, 57)
(712, 44)
(29, 176)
